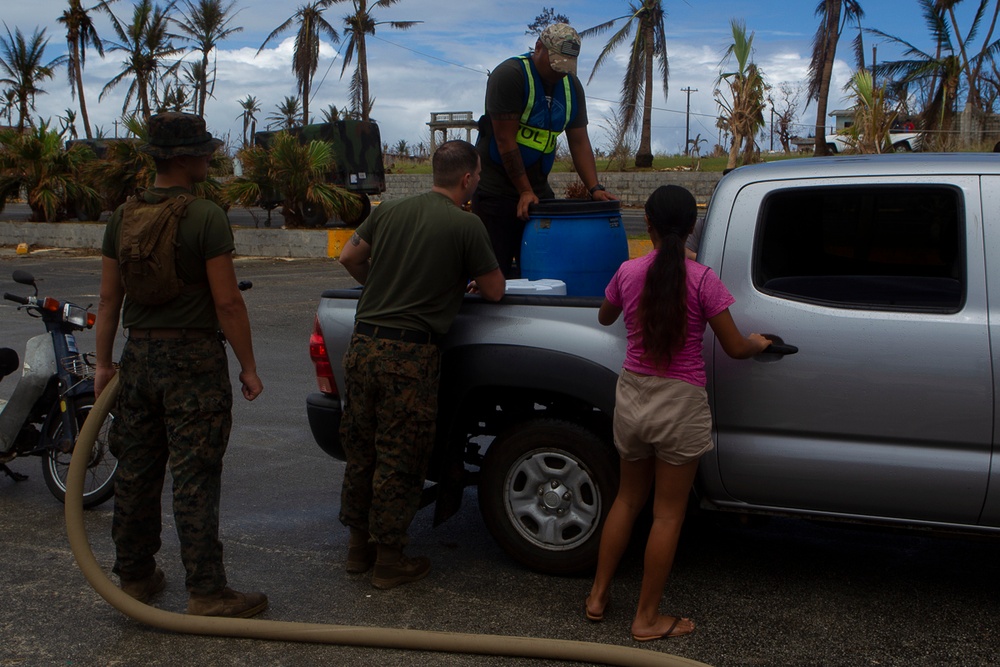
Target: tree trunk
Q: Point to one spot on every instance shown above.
(644, 158)
(832, 19)
(203, 85)
(363, 75)
(78, 73)
(305, 101)
(734, 151)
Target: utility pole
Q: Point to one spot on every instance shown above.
(687, 120)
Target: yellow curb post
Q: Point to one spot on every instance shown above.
(639, 247)
(336, 239)
(22, 248)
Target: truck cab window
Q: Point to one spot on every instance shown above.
(876, 247)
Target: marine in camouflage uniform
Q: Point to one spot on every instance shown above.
(392, 389)
(175, 403)
(415, 257)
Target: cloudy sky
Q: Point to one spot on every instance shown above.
(442, 64)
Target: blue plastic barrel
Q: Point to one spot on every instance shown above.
(579, 242)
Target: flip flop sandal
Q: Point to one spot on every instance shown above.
(593, 618)
(666, 635)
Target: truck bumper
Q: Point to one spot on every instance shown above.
(324, 420)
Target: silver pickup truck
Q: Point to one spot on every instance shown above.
(878, 269)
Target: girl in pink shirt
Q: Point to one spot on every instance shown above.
(662, 423)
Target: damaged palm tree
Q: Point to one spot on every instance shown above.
(872, 117)
(294, 174)
(743, 111)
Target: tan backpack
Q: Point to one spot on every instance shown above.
(147, 249)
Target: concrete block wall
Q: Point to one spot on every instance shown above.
(631, 188)
(250, 242)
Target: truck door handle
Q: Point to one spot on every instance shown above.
(778, 346)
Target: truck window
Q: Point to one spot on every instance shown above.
(876, 247)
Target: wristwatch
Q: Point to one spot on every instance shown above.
(595, 189)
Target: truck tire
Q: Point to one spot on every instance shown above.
(88, 211)
(545, 489)
(354, 219)
(313, 215)
(902, 147)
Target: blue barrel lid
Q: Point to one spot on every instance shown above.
(551, 207)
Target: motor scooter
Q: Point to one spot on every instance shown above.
(53, 397)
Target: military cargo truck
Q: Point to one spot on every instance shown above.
(357, 148)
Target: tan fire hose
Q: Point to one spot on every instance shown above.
(317, 633)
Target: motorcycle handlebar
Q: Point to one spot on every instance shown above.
(23, 300)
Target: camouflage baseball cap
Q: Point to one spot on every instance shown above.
(171, 134)
(563, 44)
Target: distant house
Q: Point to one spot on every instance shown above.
(842, 119)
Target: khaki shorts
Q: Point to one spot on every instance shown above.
(662, 417)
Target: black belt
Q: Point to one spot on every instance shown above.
(392, 333)
(163, 334)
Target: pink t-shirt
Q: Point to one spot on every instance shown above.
(707, 297)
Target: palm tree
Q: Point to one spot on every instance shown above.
(331, 114)
(296, 170)
(9, 103)
(649, 44)
(147, 46)
(305, 60)
(35, 163)
(22, 69)
(938, 73)
(286, 113)
(80, 32)
(174, 96)
(251, 107)
(972, 66)
(744, 113)
(357, 25)
(872, 117)
(206, 23)
(68, 123)
(834, 15)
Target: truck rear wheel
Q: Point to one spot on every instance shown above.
(353, 219)
(313, 215)
(545, 489)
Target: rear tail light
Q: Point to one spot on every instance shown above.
(318, 354)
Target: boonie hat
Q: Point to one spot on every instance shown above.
(563, 44)
(172, 134)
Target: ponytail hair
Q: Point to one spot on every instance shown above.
(663, 311)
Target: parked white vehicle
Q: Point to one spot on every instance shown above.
(902, 142)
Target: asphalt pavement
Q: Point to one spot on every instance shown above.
(782, 593)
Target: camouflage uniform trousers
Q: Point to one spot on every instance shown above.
(175, 407)
(387, 431)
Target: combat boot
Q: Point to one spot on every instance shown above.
(392, 568)
(143, 589)
(361, 552)
(227, 602)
